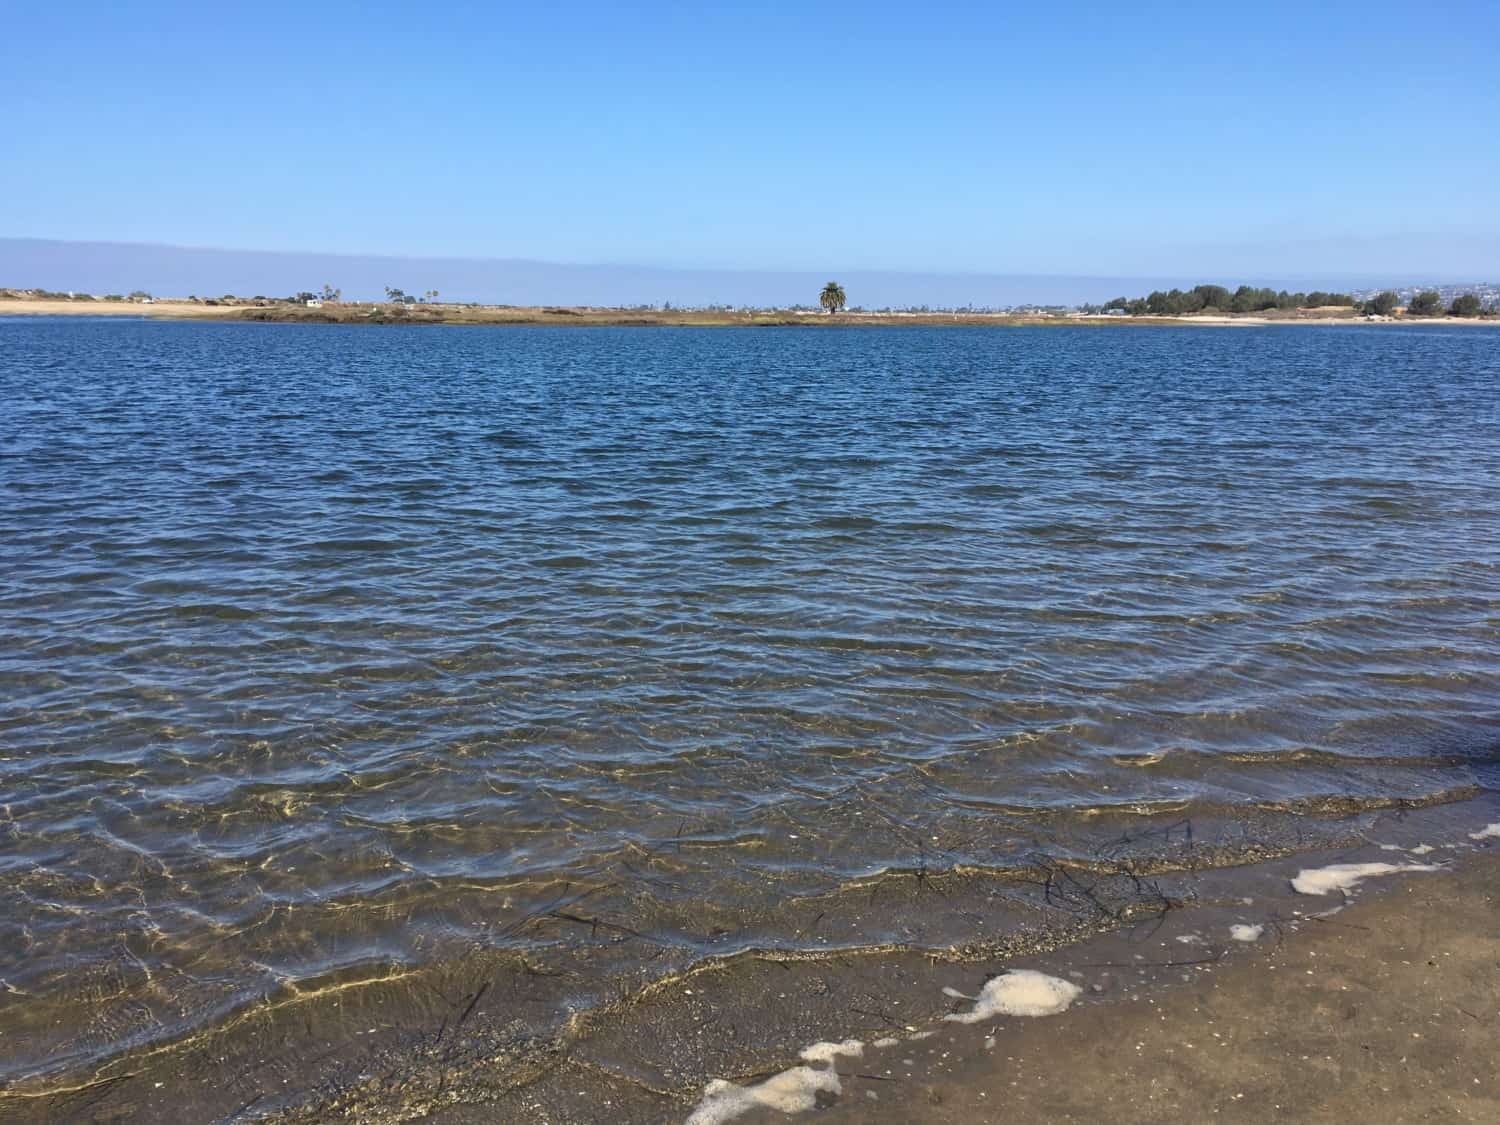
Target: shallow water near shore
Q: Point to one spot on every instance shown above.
(417, 660)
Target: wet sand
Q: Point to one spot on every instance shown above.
(1383, 1002)
(1388, 1011)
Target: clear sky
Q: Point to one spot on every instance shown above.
(1225, 140)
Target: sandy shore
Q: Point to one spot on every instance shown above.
(578, 316)
(169, 309)
(514, 315)
(1388, 1011)
(1381, 1005)
(1226, 993)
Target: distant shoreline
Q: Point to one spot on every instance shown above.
(285, 312)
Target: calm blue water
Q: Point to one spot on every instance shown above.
(328, 650)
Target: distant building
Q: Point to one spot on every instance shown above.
(314, 303)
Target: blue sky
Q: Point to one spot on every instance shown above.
(1296, 140)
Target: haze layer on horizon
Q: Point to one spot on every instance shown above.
(1304, 141)
(106, 267)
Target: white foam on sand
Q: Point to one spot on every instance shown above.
(1346, 876)
(792, 1091)
(1488, 831)
(1019, 992)
(1242, 932)
(827, 1052)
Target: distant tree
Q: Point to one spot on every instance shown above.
(1213, 297)
(1427, 303)
(332, 294)
(1318, 299)
(430, 295)
(1466, 305)
(832, 298)
(1382, 304)
(398, 296)
(139, 295)
(1247, 299)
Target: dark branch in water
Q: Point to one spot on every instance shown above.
(1214, 960)
(483, 988)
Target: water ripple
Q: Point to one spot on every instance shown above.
(328, 653)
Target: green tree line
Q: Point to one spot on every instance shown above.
(1216, 298)
(1248, 299)
(1430, 303)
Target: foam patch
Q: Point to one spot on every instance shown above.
(792, 1091)
(1346, 876)
(1488, 831)
(1240, 932)
(1019, 992)
(827, 1052)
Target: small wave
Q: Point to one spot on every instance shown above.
(351, 546)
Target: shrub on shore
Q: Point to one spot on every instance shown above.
(1427, 303)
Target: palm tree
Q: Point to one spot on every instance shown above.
(832, 297)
